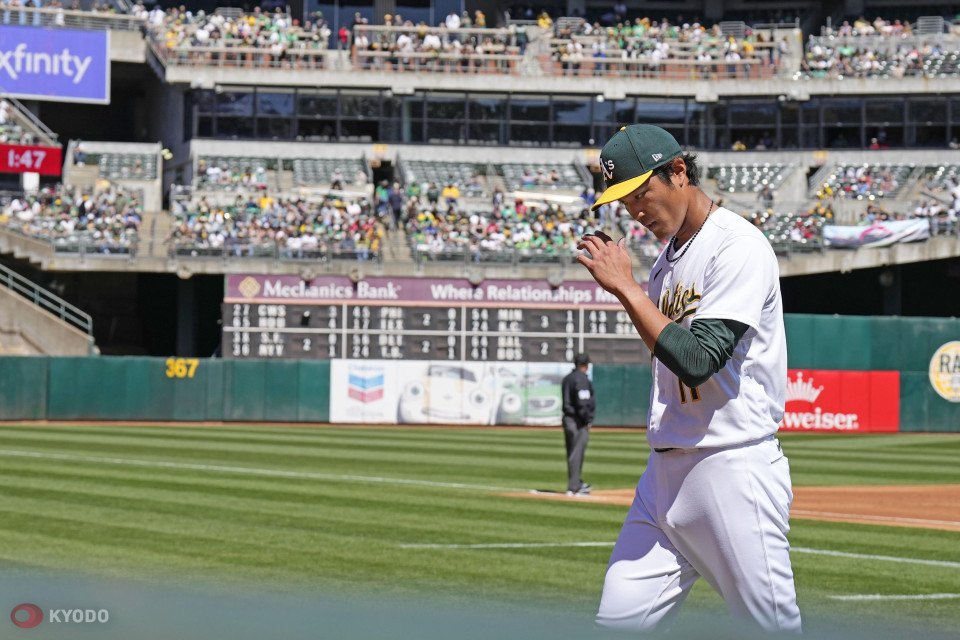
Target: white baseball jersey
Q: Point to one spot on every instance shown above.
(729, 272)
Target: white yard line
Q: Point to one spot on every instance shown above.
(927, 596)
(161, 464)
(860, 516)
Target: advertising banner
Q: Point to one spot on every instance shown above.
(843, 401)
(442, 392)
(400, 290)
(880, 234)
(55, 64)
(21, 158)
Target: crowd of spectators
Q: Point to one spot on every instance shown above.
(861, 182)
(104, 222)
(277, 33)
(455, 44)
(654, 43)
(222, 175)
(507, 229)
(258, 225)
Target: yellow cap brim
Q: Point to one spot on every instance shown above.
(621, 190)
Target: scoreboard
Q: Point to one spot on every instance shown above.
(398, 320)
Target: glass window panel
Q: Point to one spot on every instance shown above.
(530, 108)
(535, 134)
(487, 132)
(445, 131)
(205, 127)
(360, 130)
(322, 130)
(275, 103)
(718, 114)
(235, 103)
(927, 111)
(360, 103)
(843, 137)
(885, 111)
(571, 134)
(887, 136)
(660, 112)
(274, 128)
(930, 136)
(206, 101)
(810, 137)
(487, 106)
(753, 113)
(317, 104)
(625, 112)
(403, 106)
(841, 112)
(569, 109)
(604, 112)
(234, 127)
(810, 112)
(447, 106)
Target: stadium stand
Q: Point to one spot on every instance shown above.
(867, 181)
(519, 176)
(749, 177)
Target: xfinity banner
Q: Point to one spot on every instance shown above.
(55, 64)
(880, 234)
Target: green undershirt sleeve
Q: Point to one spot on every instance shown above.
(698, 353)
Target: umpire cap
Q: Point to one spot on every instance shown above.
(581, 359)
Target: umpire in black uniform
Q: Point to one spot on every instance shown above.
(579, 406)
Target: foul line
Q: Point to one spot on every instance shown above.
(248, 470)
(861, 556)
(928, 596)
(507, 545)
(537, 545)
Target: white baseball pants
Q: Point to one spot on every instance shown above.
(718, 513)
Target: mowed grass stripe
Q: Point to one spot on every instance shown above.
(507, 445)
(403, 519)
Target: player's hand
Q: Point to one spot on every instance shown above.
(608, 262)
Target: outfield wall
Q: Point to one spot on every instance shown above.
(846, 374)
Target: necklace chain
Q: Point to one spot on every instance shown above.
(673, 240)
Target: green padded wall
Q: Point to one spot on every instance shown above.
(23, 388)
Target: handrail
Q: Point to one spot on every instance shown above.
(46, 300)
(28, 115)
(69, 19)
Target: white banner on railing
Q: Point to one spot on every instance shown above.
(879, 234)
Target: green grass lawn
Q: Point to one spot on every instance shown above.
(323, 511)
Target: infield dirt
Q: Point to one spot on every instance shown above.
(924, 506)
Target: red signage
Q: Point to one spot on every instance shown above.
(21, 158)
(843, 401)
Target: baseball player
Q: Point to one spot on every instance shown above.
(579, 406)
(715, 498)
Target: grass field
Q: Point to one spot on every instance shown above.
(347, 511)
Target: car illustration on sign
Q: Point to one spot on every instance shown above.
(534, 400)
(448, 394)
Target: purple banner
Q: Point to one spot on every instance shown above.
(441, 291)
(55, 64)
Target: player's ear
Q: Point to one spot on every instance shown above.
(678, 171)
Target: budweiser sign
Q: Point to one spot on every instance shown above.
(849, 401)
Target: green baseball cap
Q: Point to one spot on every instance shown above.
(630, 156)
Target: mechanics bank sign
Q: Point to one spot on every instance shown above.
(846, 401)
(55, 64)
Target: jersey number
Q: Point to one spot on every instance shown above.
(694, 393)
